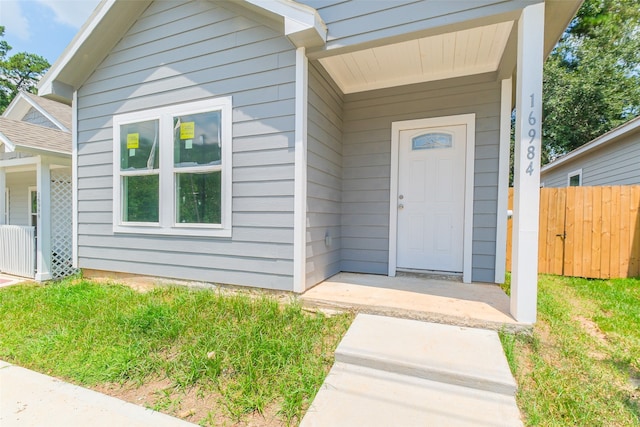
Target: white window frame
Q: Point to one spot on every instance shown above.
(577, 173)
(167, 199)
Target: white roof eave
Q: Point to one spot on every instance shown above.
(302, 24)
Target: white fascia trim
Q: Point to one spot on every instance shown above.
(46, 83)
(22, 97)
(74, 179)
(45, 113)
(463, 119)
(24, 161)
(297, 17)
(12, 105)
(503, 181)
(300, 171)
(7, 142)
(608, 137)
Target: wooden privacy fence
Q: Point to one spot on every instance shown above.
(587, 231)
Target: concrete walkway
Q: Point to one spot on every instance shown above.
(388, 372)
(399, 372)
(28, 398)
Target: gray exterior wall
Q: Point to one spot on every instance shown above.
(18, 184)
(324, 176)
(179, 52)
(34, 116)
(367, 157)
(617, 163)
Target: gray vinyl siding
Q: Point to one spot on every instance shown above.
(18, 184)
(354, 22)
(186, 51)
(617, 163)
(37, 118)
(367, 157)
(324, 176)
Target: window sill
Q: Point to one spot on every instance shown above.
(178, 231)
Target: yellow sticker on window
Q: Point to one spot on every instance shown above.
(133, 140)
(187, 130)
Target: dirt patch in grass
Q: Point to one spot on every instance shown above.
(194, 404)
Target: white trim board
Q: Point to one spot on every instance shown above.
(463, 119)
(300, 183)
(74, 179)
(503, 181)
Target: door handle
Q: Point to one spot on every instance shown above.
(401, 206)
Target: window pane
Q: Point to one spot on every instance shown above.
(198, 198)
(140, 195)
(196, 139)
(574, 181)
(34, 202)
(139, 145)
(431, 140)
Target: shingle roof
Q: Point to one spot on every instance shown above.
(61, 112)
(27, 135)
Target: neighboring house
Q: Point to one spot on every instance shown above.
(610, 159)
(274, 143)
(35, 186)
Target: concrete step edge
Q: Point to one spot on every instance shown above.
(426, 372)
(416, 315)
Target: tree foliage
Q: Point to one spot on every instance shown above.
(592, 77)
(18, 72)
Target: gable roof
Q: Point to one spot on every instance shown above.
(111, 18)
(608, 138)
(16, 135)
(57, 113)
(304, 27)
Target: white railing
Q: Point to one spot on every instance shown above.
(18, 250)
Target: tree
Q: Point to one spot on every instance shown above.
(18, 72)
(592, 77)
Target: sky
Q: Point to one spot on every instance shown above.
(43, 27)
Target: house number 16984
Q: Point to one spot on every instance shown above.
(531, 149)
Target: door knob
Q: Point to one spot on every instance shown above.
(401, 197)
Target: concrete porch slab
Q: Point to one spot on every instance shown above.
(415, 297)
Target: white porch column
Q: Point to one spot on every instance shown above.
(526, 202)
(300, 186)
(3, 196)
(43, 256)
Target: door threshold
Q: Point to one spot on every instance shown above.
(452, 276)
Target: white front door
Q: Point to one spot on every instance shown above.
(431, 198)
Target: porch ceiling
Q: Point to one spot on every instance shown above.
(455, 54)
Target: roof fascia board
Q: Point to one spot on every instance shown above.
(302, 24)
(45, 87)
(42, 151)
(90, 46)
(7, 142)
(42, 111)
(14, 105)
(601, 141)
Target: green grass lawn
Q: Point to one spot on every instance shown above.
(254, 354)
(581, 365)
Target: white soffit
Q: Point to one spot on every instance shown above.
(473, 51)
